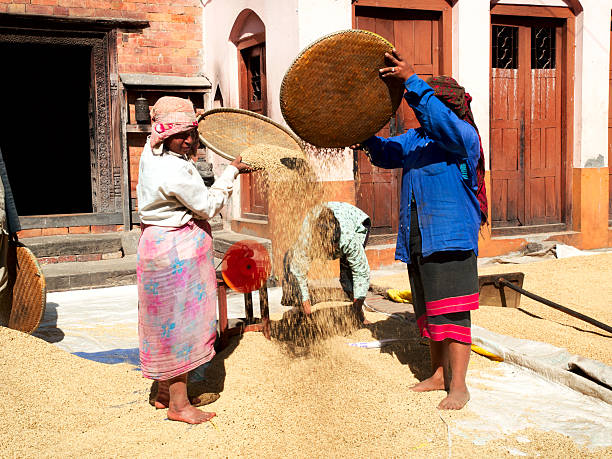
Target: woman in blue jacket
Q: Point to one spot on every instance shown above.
(439, 218)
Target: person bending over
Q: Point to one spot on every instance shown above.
(330, 231)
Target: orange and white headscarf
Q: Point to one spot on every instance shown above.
(169, 116)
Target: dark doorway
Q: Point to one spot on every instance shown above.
(45, 127)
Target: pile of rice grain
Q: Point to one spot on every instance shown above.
(347, 402)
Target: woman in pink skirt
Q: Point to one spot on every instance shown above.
(177, 298)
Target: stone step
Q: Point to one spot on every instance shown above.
(73, 271)
(90, 274)
(73, 244)
(89, 247)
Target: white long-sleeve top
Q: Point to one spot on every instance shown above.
(171, 191)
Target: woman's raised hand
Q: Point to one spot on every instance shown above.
(242, 168)
(400, 69)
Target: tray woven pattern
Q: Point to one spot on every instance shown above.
(29, 291)
(230, 131)
(333, 95)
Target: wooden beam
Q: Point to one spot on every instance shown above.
(59, 221)
(163, 81)
(252, 40)
(575, 5)
(532, 11)
(426, 5)
(31, 21)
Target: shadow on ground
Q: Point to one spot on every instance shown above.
(300, 335)
(214, 376)
(410, 349)
(48, 329)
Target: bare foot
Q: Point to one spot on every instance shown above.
(455, 400)
(435, 382)
(162, 400)
(190, 415)
(162, 404)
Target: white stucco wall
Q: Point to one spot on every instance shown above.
(221, 58)
(592, 84)
(533, 2)
(321, 17)
(291, 25)
(280, 19)
(471, 68)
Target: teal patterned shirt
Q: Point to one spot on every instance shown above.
(353, 233)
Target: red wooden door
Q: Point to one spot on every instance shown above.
(253, 196)
(416, 35)
(526, 149)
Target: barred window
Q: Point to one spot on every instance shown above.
(504, 42)
(543, 46)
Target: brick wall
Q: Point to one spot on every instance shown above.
(96, 229)
(172, 45)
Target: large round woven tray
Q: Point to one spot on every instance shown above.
(24, 303)
(333, 95)
(230, 131)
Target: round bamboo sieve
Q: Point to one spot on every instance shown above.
(333, 96)
(230, 131)
(26, 295)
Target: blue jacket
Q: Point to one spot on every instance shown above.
(439, 169)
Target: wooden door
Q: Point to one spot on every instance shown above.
(526, 138)
(417, 37)
(253, 195)
(610, 134)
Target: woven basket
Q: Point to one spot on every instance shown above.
(24, 304)
(230, 131)
(333, 95)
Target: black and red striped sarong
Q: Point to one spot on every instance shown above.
(444, 289)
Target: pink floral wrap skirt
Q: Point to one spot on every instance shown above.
(177, 299)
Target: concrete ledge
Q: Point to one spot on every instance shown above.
(90, 274)
(251, 226)
(73, 244)
(223, 240)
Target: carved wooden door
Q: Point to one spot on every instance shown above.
(416, 35)
(526, 142)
